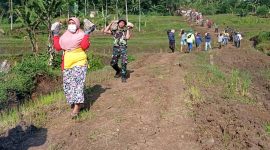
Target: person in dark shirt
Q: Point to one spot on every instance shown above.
(207, 41)
(198, 41)
(171, 40)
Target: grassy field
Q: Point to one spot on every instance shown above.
(152, 37)
(249, 25)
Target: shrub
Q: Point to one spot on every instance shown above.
(94, 62)
(242, 12)
(21, 80)
(262, 10)
(264, 36)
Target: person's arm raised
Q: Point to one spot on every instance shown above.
(107, 29)
(128, 35)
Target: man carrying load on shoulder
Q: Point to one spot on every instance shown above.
(120, 31)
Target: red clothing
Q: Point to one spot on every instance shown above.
(84, 45)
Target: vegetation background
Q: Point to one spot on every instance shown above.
(25, 38)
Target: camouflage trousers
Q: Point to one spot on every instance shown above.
(120, 52)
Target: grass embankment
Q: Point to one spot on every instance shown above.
(39, 111)
(203, 75)
(21, 82)
(250, 26)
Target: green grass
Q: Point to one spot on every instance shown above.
(33, 111)
(237, 87)
(239, 83)
(202, 75)
(249, 25)
(267, 127)
(86, 115)
(38, 111)
(9, 119)
(195, 94)
(152, 37)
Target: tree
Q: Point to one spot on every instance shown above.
(32, 13)
(262, 10)
(2, 12)
(30, 20)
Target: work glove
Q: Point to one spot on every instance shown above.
(89, 27)
(55, 28)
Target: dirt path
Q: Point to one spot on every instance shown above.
(147, 112)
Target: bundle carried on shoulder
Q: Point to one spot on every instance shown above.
(115, 25)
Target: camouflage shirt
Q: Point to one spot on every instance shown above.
(119, 37)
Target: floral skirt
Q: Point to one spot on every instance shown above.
(73, 84)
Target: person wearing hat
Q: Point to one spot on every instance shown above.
(74, 42)
(121, 33)
(171, 40)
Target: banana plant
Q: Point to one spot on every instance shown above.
(33, 13)
(29, 18)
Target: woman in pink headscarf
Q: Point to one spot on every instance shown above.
(73, 42)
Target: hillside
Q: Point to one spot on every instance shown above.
(171, 101)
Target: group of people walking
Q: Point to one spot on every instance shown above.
(189, 38)
(74, 43)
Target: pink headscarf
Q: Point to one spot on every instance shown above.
(70, 41)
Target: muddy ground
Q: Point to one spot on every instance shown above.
(150, 110)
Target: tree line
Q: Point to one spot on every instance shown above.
(33, 13)
(157, 7)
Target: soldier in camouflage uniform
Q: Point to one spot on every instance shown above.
(121, 33)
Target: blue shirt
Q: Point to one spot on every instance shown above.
(171, 36)
(198, 39)
(208, 38)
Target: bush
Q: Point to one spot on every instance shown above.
(263, 45)
(21, 80)
(262, 10)
(210, 10)
(57, 59)
(242, 12)
(264, 36)
(94, 62)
